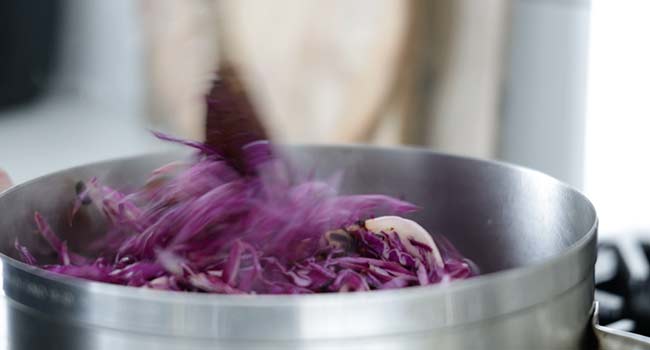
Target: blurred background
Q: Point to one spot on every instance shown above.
(556, 85)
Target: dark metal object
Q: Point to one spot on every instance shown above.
(623, 283)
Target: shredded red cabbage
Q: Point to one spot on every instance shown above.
(201, 226)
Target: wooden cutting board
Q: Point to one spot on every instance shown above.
(318, 71)
(387, 71)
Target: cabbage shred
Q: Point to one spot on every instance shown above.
(201, 226)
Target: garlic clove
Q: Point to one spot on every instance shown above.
(406, 229)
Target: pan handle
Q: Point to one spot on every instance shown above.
(614, 339)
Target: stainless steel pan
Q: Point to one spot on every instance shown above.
(533, 238)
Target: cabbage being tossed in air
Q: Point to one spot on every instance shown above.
(201, 226)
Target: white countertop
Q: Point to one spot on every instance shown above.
(63, 131)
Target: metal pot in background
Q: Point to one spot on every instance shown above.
(542, 110)
(533, 238)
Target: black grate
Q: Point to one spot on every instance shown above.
(623, 284)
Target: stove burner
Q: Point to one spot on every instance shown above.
(623, 285)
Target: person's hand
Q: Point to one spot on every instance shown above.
(5, 181)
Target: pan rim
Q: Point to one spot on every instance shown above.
(581, 250)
